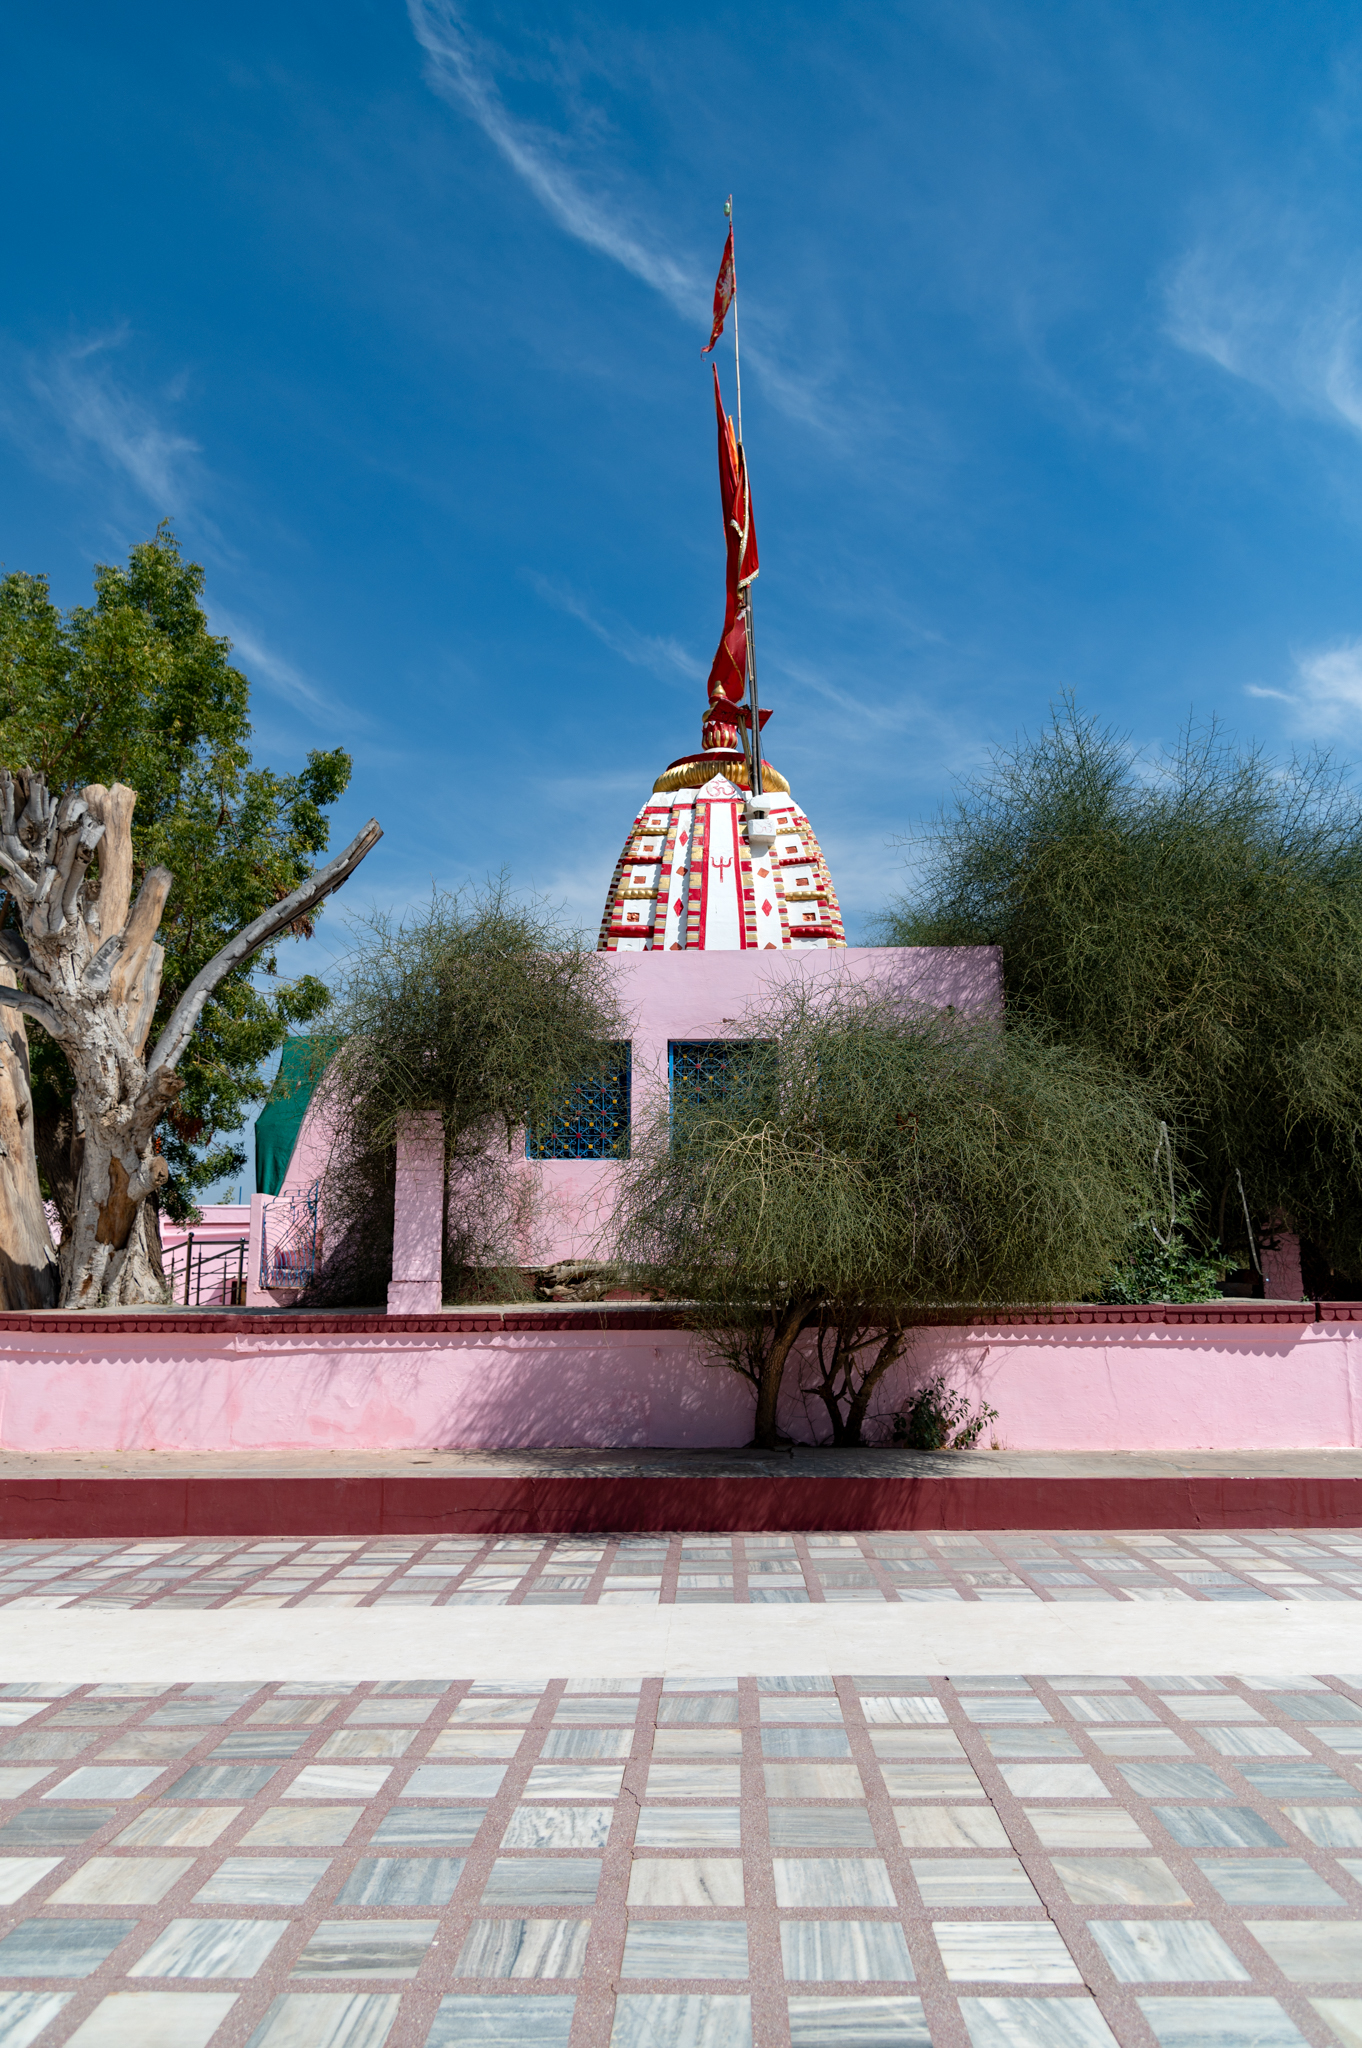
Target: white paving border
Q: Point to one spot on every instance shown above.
(352, 1645)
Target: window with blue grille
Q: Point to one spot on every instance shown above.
(708, 1071)
(593, 1122)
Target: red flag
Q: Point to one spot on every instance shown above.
(740, 535)
(725, 284)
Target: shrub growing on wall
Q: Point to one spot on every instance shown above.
(865, 1166)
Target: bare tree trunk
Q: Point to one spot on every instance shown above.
(89, 971)
(28, 1259)
(788, 1324)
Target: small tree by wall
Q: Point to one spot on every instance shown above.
(485, 1012)
(864, 1167)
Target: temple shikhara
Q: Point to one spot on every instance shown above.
(721, 857)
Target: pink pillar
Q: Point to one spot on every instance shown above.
(418, 1220)
(1280, 1254)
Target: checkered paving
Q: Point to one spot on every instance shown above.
(1279, 1564)
(996, 1862)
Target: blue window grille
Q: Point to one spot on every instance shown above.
(713, 1070)
(594, 1121)
(290, 1245)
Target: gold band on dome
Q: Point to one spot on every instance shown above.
(695, 774)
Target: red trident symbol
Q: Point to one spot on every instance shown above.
(721, 865)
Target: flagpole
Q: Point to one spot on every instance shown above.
(737, 360)
(754, 752)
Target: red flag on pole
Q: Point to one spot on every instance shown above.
(728, 676)
(724, 286)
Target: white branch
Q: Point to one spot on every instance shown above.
(268, 925)
(41, 1013)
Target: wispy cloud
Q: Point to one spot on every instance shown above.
(1327, 696)
(79, 393)
(460, 69)
(274, 669)
(457, 72)
(1272, 296)
(665, 658)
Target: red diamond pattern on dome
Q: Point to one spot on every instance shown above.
(766, 906)
(678, 906)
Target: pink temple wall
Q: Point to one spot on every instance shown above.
(372, 1384)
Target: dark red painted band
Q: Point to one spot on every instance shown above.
(405, 1504)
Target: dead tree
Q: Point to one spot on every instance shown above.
(89, 970)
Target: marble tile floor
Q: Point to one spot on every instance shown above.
(619, 1571)
(999, 1861)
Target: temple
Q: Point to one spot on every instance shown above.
(708, 866)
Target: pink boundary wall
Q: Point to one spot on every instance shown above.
(361, 1383)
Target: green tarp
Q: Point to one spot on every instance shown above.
(278, 1124)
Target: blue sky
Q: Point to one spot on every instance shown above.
(1052, 380)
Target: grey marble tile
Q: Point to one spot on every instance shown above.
(221, 1781)
(1219, 2023)
(24, 2014)
(1035, 2023)
(210, 1948)
(715, 1709)
(176, 1827)
(255, 1742)
(1218, 1827)
(295, 1713)
(1317, 1706)
(903, 1743)
(1331, 1827)
(155, 2019)
(1166, 1952)
(1267, 1881)
(1294, 1778)
(495, 1713)
(685, 1948)
(701, 1883)
(1158, 1741)
(928, 1780)
(1342, 2015)
(696, 1742)
(1053, 1781)
(454, 1781)
(1310, 1951)
(1174, 1781)
(303, 1827)
(913, 1708)
(845, 1952)
(558, 1827)
(1006, 1951)
(804, 1742)
(689, 1827)
(832, 1881)
(1261, 1741)
(1014, 1742)
(1077, 1827)
(699, 2020)
(194, 1713)
(587, 1781)
(820, 1827)
(972, 1881)
(693, 1781)
(588, 1742)
(354, 1742)
(146, 1746)
(858, 2023)
(263, 1881)
(49, 1745)
(366, 1948)
(542, 1881)
(101, 1781)
(804, 1710)
(1119, 1881)
(328, 2019)
(19, 1874)
(524, 1948)
(343, 1781)
(429, 1827)
(1107, 1707)
(386, 1711)
(121, 1881)
(950, 1827)
(401, 1881)
(503, 2020)
(60, 1948)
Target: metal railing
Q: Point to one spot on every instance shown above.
(211, 1274)
(289, 1260)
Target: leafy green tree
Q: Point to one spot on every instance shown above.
(869, 1167)
(135, 689)
(1194, 921)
